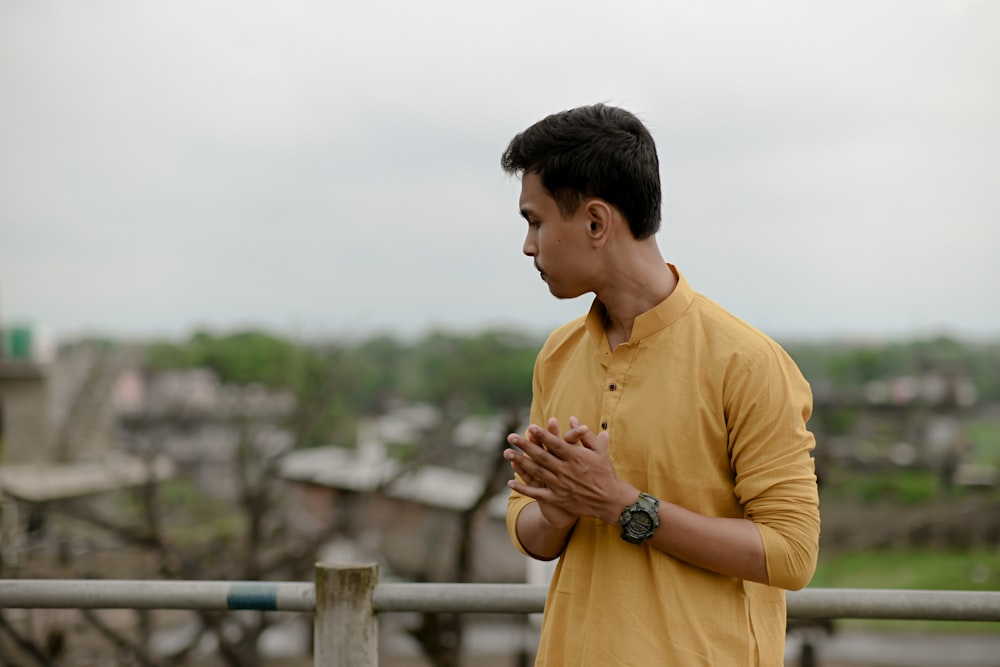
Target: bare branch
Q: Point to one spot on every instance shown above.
(25, 644)
(121, 642)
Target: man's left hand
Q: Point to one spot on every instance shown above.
(573, 472)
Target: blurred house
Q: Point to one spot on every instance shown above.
(58, 429)
(405, 512)
(200, 423)
(906, 421)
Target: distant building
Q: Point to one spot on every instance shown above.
(199, 423)
(409, 518)
(408, 514)
(58, 431)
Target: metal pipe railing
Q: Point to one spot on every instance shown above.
(828, 603)
(348, 598)
(138, 594)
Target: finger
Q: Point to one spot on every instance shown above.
(526, 479)
(552, 443)
(531, 445)
(547, 442)
(539, 493)
(526, 467)
(516, 440)
(538, 436)
(575, 434)
(571, 436)
(533, 462)
(597, 443)
(534, 445)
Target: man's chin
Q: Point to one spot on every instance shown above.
(563, 294)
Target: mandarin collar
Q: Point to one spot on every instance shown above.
(657, 318)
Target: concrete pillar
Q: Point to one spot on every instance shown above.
(346, 626)
(24, 401)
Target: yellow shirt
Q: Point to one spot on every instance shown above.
(703, 411)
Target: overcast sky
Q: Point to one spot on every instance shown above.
(830, 169)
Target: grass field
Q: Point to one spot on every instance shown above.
(977, 570)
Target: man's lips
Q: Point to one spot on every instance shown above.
(541, 273)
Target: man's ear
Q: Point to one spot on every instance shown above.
(599, 218)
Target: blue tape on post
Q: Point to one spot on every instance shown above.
(263, 597)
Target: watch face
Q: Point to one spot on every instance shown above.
(640, 523)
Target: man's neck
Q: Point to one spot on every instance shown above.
(632, 291)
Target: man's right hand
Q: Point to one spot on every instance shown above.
(554, 522)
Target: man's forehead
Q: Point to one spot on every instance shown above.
(533, 193)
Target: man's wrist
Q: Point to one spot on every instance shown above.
(626, 495)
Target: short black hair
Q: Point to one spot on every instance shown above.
(593, 151)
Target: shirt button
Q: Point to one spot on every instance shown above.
(612, 386)
(604, 426)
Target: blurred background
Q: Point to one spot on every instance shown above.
(260, 276)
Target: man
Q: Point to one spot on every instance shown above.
(668, 463)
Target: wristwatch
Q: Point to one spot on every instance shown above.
(640, 521)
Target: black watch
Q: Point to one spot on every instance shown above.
(640, 521)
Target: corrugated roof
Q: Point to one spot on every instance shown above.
(340, 468)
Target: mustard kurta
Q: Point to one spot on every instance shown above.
(703, 411)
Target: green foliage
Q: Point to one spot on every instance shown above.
(241, 358)
(931, 569)
(845, 365)
(336, 384)
(378, 362)
(856, 366)
(899, 485)
(485, 372)
(836, 421)
(920, 569)
(402, 452)
(191, 518)
(323, 378)
(984, 436)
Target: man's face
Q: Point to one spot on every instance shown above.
(558, 245)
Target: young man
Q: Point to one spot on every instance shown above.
(668, 462)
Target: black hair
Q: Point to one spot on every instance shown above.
(593, 151)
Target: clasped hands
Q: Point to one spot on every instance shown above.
(570, 475)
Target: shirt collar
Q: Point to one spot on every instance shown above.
(657, 318)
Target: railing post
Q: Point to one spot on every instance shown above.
(346, 626)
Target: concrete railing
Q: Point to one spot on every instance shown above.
(347, 599)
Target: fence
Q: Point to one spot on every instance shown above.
(347, 599)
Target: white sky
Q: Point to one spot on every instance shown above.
(830, 169)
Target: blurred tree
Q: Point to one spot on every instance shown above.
(487, 372)
(246, 357)
(851, 365)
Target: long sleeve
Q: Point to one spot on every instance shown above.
(768, 405)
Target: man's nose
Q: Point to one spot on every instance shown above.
(530, 248)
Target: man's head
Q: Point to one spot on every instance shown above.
(593, 151)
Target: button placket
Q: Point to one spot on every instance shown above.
(616, 370)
